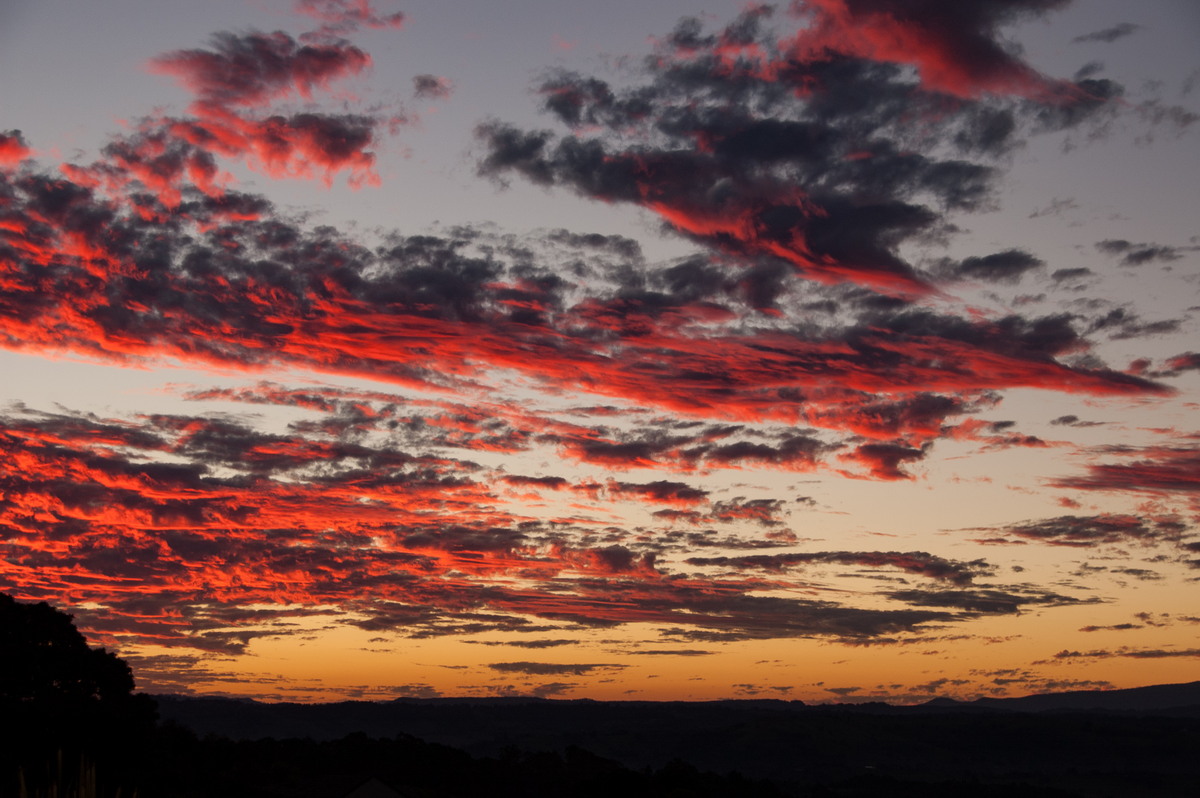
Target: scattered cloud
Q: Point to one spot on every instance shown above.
(563, 434)
(550, 669)
(431, 87)
(1087, 531)
(1109, 35)
(1131, 653)
(1132, 254)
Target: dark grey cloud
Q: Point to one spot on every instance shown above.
(661, 490)
(1071, 275)
(253, 68)
(844, 691)
(554, 483)
(1132, 254)
(432, 87)
(1002, 267)
(1088, 70)
(544, 643)
(1131, 653)
(1140, 574)
(914, 562)
(1056, 207)
(1072, 420)
(1110, 34)
(552, 669)
(1086, 531)
(1117, 627)
(986, 601)
(1121, 323)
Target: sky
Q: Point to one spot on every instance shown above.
(841, 350)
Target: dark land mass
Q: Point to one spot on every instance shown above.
(71, 726)
(1139, 742)
(466, 721)
(1167, 699)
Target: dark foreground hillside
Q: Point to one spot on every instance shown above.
(929, 756)
(948, 749)
(511, 749)
(71, 726)
(189, 767)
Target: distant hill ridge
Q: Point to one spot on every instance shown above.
(450, 720)
(1081, 741)
(1152, 698)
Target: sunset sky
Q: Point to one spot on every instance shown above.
(836, 351)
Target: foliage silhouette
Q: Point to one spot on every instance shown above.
(61, 699)
(47, 660)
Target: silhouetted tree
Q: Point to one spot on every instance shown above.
(47, 662)
(57, 694)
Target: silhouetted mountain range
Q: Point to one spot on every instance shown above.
(1170, 699)
(463, 721)
(1138, 742)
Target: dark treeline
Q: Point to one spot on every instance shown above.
(832, 753)
(191, 767)
(803, 751)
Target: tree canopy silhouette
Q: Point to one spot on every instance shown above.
(46, 659)
(69, 710)
(56, 684)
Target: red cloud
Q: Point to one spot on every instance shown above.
(1188, 361)
(171, 552)
(953, 45)
(800, 150)
(662, 491)
(1155, 469)
(345, 16)
(240, 75)
(349, 310)
(745, 226)
(884, 460)
(300, 146)
(917, 418)
(13, 149)
(255, 69)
